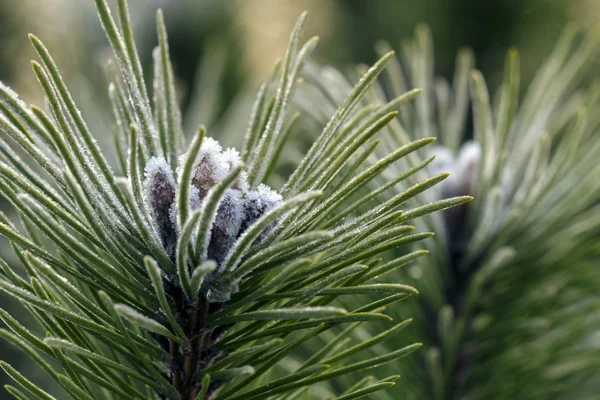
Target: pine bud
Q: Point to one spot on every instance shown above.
(159, 193)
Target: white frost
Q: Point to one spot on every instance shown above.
(158, 165)
(159, 194)
(232, 157)
(266, 194)
(230, 212)
(462, 168)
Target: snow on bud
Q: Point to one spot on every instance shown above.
(462, 168)
(467, 166)
(159, 194)
(232, 158)
(256, 203)
(211, 167)
(238, 209)
(226, 226)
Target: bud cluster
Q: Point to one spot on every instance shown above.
(239, 208)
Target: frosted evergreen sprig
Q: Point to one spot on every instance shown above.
(509, 296)
(186, 276)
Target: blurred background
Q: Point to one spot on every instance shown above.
(224, 49)
(248, 35)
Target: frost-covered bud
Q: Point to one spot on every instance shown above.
(234, 216)
(444, 160)
(256, 203)
(211, 167)
(462, 181)
(159, 194)
(226, 225)
(462, 169)
(467, 166)
(232, 158)
(237, 210)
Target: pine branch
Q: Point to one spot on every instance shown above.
(193, 279)
(506, 294)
